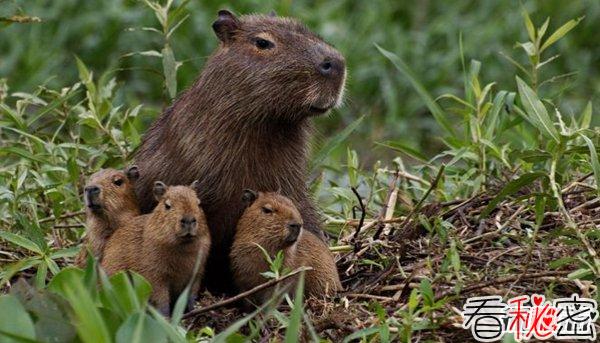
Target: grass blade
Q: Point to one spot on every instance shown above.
(511, 188)
(293, 330)
(433, 107)
(333, 143)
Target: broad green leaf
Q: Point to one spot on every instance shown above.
(529, 48)
(140, 328)
(543, 28)
(86, 77)
(484, 93)
(13, 116)
(511, 188)
(66, 252)
(14, 321)
(40, 275)
(558, 34)
(353, 169)
(34, 138)
(53, 105)
(52, 323)
(180, 305)
(426, 292)
(540, 206)
(124, 293)
(9, 270)
(535, 111)
(586, 116)
(529, 25)
(494, 114)
(170, 71)
(580, 274)
(13, 150)
(20, 241)
(91, 325)
(175, 334)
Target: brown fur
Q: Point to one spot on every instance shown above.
(152, 246)
(324, 278)
(245, 123)
(271, 232)
(107, 210)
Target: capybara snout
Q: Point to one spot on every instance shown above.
(189, 227)
(92, 197)
(294, 228)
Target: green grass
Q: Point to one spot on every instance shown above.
(510, 129)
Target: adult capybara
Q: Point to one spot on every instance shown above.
(110, 201)
(166, 246)
(270, 224)
(245, 123)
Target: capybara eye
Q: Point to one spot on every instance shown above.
(168, 205)
(267, 210)
(118, 182)
(263, 44)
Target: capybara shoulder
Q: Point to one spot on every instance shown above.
(110, 200)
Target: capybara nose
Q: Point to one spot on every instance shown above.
(331, 66)
(188, 224)
(294, 231)
(92, 190)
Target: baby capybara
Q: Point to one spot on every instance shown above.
(110, 201)
(272, 221)
(164, 246)
(245, 123)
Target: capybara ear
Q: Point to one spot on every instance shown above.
(249, 196)
(159, 190)
(132, 172)
(226, 26)
(272, 13)
(196, 187)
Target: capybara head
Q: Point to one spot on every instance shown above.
(111, 190)
(178, 217)
(277, 62)
(272, 217)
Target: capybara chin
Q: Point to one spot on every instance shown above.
(273, 223)
(164, 246)
(110, 201)
(245, 123)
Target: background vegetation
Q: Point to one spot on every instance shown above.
(482, 118)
